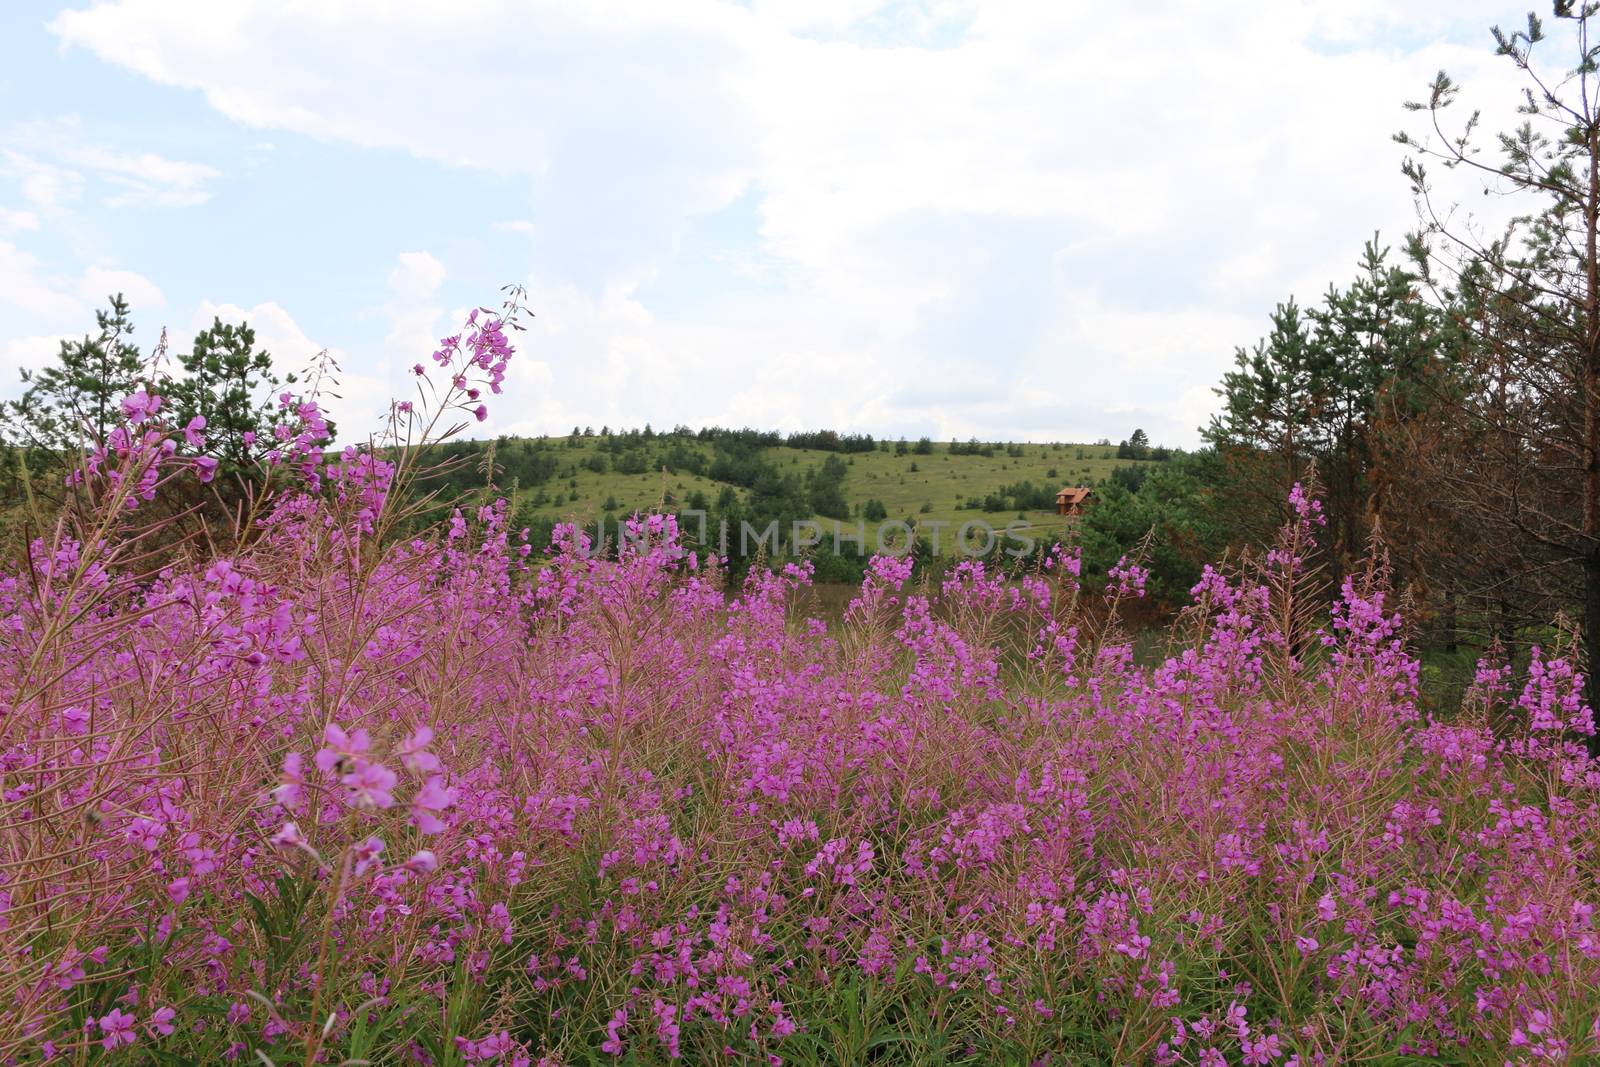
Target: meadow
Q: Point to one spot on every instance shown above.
(335, 791)
(917, 489)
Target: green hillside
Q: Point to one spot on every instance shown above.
(586, 477)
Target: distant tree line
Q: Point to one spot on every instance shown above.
(1137, 446)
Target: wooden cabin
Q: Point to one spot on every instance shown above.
(1070, 500)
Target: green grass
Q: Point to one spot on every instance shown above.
(632, 492)
(913, 488)
(943, 480)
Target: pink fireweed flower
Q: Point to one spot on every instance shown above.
(366, 855)
(117, 1026)
(370, 785)
(160, 1022)
(480, 412)
(422, 861)
(75, 719)
(612, 1045)
(1134, 947)
(413, 752)
(340, 747)
(1307, 507)
(1128, 578)
(668, 1029)
(431, 799)
(289, 836)
(290, 792)
(205, 468)
(146, 833)
(1261, 1051)
(194, 432)
(139, 407)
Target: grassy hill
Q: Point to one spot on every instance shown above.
(579, 479)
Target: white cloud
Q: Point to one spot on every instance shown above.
(53, 165)
(418, 276)
(48, 298)
(351, 394)
(97, 283)
(25, 353)
(904, 166)
(412, 315)
(146, 178)
(42, 296)
(12, 221)
(42, 185)
(40, 307)
(24, 286)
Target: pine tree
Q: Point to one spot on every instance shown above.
(1525, 402)
(1310, 394)
(230, 384)
(77, 400)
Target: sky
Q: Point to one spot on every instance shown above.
(1014, 221)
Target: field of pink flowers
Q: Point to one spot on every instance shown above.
(340, 794)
